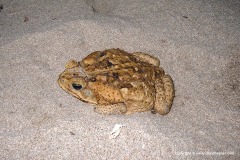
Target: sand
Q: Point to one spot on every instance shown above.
(196, 41)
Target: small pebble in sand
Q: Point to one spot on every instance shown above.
(26, 19)
(116, 131)
(1, 7)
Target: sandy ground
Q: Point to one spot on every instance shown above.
(196, 41)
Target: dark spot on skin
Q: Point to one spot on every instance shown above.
(185, 16)
(109, 64)
(84, 100)
(76, 86)
(106, 74)
(132, 58)
(81, 64)
(72, 133)
(75, 75)
(153, 112)
(92, 79)
(102, 54)
(126, 86)
(115, 75)
(140, 71)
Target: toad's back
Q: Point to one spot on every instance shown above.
(116, 66)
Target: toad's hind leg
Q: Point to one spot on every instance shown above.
(147, 58)
(164, 95)
(118, 108)
(139, 98)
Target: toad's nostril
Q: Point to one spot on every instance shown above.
(77, 86)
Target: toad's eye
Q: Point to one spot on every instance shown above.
(77, 86)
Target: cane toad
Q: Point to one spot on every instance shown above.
(118, 82)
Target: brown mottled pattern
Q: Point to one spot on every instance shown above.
(119, 82)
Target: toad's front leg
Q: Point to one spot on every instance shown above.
(118, 108)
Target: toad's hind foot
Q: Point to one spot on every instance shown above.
(169, 89)
(119, 108)
(164, 95)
